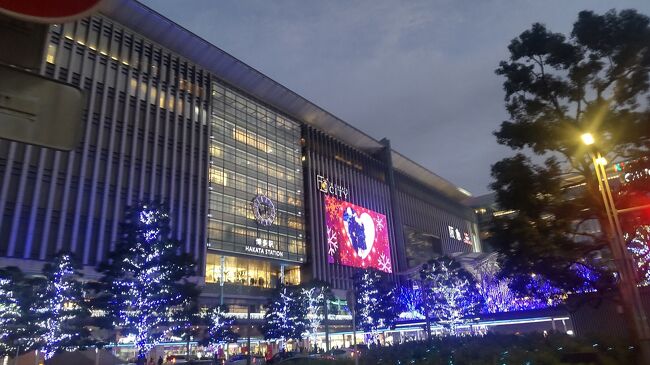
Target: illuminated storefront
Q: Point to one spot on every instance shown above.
(247, 272)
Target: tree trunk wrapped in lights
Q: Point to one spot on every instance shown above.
(315, 296)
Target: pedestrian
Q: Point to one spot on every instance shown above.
(160, 360)
(220, 353)
(151, 361)
(269, 353)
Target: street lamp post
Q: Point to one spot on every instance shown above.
(629, 290)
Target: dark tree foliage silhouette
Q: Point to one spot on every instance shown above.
(557, 88)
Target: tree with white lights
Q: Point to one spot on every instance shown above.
(146, 278)
(219, 327)
(20, 324)
(638, 244)
(10, 312)
(314, 296)
(60, 307)
(286, 316)
(374, 307)
(450, 291)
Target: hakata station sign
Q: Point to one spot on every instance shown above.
(48, 11)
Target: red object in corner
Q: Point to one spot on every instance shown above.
(46, 11)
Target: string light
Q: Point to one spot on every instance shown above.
(374, 309)
(9, 314)
(639, 246)
(219, 326)
(60, 307)
(314, 299)
(145, 278)
(285, 316)
(451, 292)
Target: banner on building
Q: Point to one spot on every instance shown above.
(356, 236)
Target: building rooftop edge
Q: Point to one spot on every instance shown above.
(223, 65)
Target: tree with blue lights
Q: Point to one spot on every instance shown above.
(147, 278)
(638, 244)
(60, 307)
(451, 292)
(374, 308)
(21, 328)
(219, 327)
(286, 315)
(409, 300)
(515, 293)
(10, 313)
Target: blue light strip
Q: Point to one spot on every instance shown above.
(416, 326)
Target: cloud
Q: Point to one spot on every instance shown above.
(419, 72)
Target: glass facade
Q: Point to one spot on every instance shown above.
(254, 152)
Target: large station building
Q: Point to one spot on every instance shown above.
(262, 184)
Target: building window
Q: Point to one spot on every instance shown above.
(51, 53)
(292, 276)
(218, 177)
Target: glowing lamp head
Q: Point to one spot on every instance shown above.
(588, 139)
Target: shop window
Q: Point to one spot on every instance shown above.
(248, 272)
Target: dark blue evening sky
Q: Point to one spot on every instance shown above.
(418, 72)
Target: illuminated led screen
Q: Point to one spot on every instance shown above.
(356, 236)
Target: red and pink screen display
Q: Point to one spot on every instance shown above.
(356, 236)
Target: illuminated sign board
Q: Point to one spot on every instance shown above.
(264, 247)
(356, 236)
(455, 234)
(326, 186)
